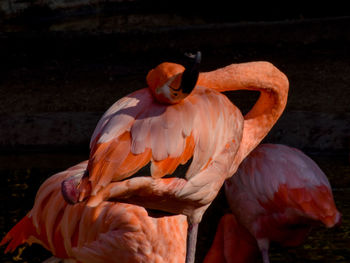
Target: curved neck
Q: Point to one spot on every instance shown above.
(261, 76)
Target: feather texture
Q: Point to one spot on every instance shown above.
(277, 187)
(109, 232)
(137, 130)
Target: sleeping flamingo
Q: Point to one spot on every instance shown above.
(181, 115)
(278, 193)
(109, 232)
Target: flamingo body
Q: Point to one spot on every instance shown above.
(109, 232)
(137, 130)
(278, 193)
(142, 128)
(206, 127)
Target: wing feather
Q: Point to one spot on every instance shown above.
(169, 165)
(189, 149)
(140, 134)
(106, 168)
(187, 116)
(122, 103)
(140, 131)
(69, 226)
(119, 117)
(158, 138)
(209, 123)
(164, 167)
(202, 140)
(173, 132)
(50, 216)
(133, 163)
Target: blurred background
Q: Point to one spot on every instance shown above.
(63, 63)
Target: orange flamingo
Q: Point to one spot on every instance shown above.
(109, 232)
(181, 115)
(278, 194)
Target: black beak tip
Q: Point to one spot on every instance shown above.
(196, 58)
(191, 73)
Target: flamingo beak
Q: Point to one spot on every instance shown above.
(191, 73)
(76, 188)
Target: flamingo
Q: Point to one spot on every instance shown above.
(110, 232)
(180, 116)
(278, 193)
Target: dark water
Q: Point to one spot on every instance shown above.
(21, 176)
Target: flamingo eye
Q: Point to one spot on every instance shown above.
(174, 92)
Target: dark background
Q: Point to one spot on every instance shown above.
(63, 63)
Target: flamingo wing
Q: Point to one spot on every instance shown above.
(137, 130)
(279, 180)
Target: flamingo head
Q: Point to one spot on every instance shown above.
(170, 83)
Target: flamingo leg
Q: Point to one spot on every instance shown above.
(264, 245)
(191, 242)
(265, 256)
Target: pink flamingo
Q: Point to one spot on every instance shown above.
(181, 115)
(278, 193)
(109, 232)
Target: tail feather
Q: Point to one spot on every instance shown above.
(19, 234)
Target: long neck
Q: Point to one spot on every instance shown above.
(261, 76)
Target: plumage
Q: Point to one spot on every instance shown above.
(174, 126)
(160, 129)
(172, 121)
(204, 127)
(109, 232)
(278, 193)
(119, 232)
